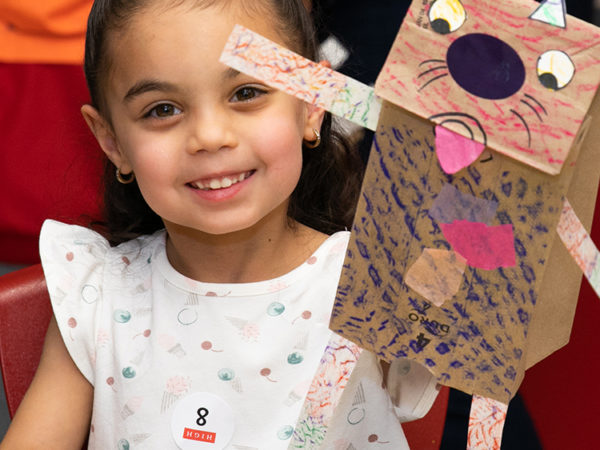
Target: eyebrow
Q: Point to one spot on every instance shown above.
(231, 73)
(143, 86)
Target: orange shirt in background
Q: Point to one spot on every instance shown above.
(43, 31)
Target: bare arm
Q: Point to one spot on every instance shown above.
(56, 410)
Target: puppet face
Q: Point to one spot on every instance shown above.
(505, 74)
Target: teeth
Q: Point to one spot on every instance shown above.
(221, 183)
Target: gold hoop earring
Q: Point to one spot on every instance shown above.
(125, 180)
(316, 142)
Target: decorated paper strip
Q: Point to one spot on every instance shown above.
(580, 245)
(333, 373)
(486, 423)
(273, 64)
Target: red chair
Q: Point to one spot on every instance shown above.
(426, 433)
(25, 312)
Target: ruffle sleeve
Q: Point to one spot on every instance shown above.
(73, 259)
(412, 388)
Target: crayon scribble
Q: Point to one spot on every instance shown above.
(290, 72)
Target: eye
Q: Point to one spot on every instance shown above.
(446, 16)
(247, 93)
(163, 110)
(555, 69)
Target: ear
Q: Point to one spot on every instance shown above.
(105, 137)
(314, 117)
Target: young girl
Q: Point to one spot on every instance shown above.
(207, 326)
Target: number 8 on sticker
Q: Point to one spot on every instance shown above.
(202, 413)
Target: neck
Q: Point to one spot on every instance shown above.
(262, 252)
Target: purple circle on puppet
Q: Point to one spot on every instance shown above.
(485, 66)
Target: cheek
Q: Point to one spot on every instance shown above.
(155, 168)
(282, 147)
(149, 153)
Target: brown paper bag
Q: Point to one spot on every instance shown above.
(464, 272)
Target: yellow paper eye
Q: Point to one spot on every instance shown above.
(555, 69)
(446, 16)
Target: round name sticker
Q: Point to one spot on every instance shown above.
(202, 420)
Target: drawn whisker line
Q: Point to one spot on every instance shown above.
(537, 103)
(432, 70)
(525, 124)
(432, 60)
(533, 109)
(432, 80)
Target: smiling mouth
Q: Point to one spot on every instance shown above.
(212, 184)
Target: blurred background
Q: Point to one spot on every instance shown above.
(50, 165)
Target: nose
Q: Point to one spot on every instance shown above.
(485, 66)
(210, 130)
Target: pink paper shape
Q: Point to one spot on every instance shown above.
(436, 275)
(455, 152)
(485, 247)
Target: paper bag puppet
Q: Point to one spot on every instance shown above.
(451, 243)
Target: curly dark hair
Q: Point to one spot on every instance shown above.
(326, 195)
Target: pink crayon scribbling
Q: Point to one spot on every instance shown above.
(290, 72)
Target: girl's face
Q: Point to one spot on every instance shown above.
(213, 150)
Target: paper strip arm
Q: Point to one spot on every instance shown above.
(273, 64)
(580, 245)
(325, 391)
(486, 423)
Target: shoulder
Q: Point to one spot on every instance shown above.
(334, 247)
(327, 260)
(86, 277)
(79, 247)
(79, 263)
